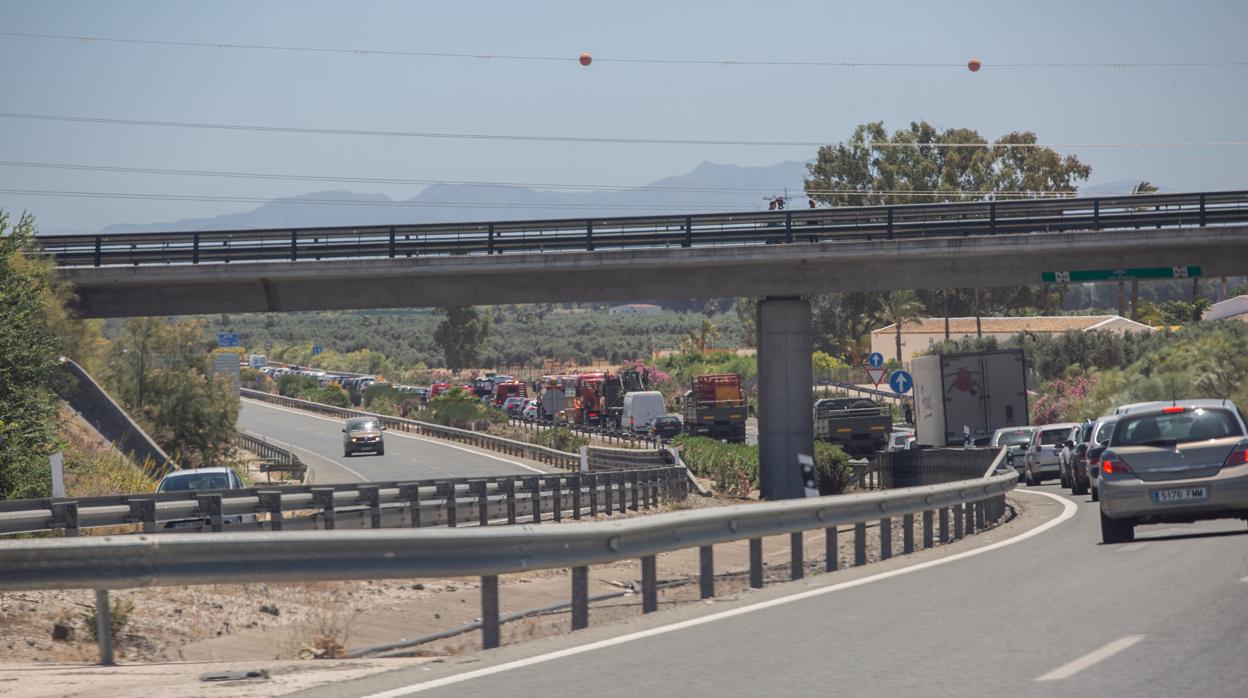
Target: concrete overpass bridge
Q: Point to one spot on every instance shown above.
(781, 255)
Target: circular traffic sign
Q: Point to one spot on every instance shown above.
(876, 359)
(900, 382)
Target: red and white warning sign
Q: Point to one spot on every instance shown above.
(877, 375)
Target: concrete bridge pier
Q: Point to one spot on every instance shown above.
(785, 424)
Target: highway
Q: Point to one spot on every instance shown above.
(1053, 614)
(318, 441)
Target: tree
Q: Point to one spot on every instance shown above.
(704, 337)
(898, 307)
(747, 315)
(29, 368)
(462, 337)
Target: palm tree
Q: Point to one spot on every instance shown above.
(898, 307)
(704, 337)
(1144, 187)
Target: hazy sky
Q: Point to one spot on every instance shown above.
(613, 99)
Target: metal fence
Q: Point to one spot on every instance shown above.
(932, 466)
(277, 459)
(619, 437)
(121, 562)
(450, 502)
(636, 232)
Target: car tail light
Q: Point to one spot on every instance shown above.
(1239, 456)
(1113, 464)
(1173, 410)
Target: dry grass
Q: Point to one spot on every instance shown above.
(93, 466)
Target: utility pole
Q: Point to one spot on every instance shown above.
(945, 295)
(979, 329)
(1135, 299)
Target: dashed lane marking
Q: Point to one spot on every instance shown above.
(1091, 659)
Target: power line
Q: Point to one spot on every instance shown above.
(477, 183)
(727, 62)
(596, 139)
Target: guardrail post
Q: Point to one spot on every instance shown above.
(477, 487)
(144, 511)
(797, 560)
(969, 511)
(410, 493)
(890, 222)
(927, 529)
(649, 585)
(688, 232)
(104, 627)
(447, 490)
(831, 549)
(580, 598)
(756, 563)
(706, 571)
(907, 533)
(623, 483)
(210, 508)
(195, 249)
(555, 485)
(944, 525)
(574, 484)
(860, 544)
(370, 495)
(957, 521)
(270, 501)
(65, 517)
(979, 514)
(1096, 214)
(489, 612)
(788, 226)
(634, 483)
(508, 486)
(992, 218)
(294, 245)
(323, 497)
(589, 236)
(534, 486)
(591, 481)
(609, 480)
(886, 538)
(97, 250)
(1202, 210)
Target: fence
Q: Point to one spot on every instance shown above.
(600, 459)
(932, 466)
(621, 437)
(120, 562)
(415, 504)
(277, 459)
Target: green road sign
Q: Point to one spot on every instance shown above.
(1053, 277)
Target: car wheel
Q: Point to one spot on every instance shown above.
(1096, 494)
(381, 451)
(1116, 531)
(1029, 477)
(1063, 480)
(1079, 488)
(346, 453)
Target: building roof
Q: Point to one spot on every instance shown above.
(1012, 325)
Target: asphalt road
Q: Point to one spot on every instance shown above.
(1054, 614)
(318, 441)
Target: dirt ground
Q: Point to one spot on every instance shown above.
(329, 619)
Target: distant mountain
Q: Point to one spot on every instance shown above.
(708, 187)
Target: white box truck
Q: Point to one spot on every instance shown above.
(975, 393)
(640, 408)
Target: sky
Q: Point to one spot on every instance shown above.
(720, 100)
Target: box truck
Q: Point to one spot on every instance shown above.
(975, 393)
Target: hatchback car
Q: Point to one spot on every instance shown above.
(666, 426)
(363, 434)
(1174, 464)
(203, 480)
(1050, 444)
(530, 411)
(513, 405)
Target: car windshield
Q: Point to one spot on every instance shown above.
(1168, 428)
(1052, 437)
(366, 425)
(195, 481)
(1013, 438)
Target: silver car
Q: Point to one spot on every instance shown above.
(1018, 440)
(1049, 446)
(1174, 464)
(1094, 447)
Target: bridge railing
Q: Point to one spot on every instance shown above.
(120, 562)
(589, 234)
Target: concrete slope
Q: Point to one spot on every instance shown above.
(98, 409)
(1054, 614)
(318, 441)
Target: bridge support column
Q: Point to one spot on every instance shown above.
(785, 425)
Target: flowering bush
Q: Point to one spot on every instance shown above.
(1062, 400)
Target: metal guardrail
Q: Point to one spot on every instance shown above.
(601, 459)
(541, 454)
(620, 437)
(277, 459)
(121, 562)
(415, 503)
(638, 232)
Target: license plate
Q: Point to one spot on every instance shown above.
(1187, 494)
(184, 524)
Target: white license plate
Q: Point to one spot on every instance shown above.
(1186, 494)
(184, 524)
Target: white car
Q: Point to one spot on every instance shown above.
(899, 440)
(530, 410)
(203, 480)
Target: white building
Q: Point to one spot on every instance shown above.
(918, 336)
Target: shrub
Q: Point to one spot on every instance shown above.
(733, 468)
(832, 471)
(331, 395)
(462, 410)
(119, 612)
(291, 385)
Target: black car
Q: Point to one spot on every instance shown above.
(666, 426)
(363, 434)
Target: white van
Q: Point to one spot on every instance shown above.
(640, 408)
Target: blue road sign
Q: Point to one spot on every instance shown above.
(900, 382)
(316, 349)
(876, 359)
(227, 339)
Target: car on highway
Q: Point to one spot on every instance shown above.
(1086, 460)
(531, 409)
(513, 405)
(1174, 464)
(1018, 440)
(666, 426)
(363, 434)
(899, 439)
(1050, 444)
(203, 480)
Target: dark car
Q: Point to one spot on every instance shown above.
(666, 426)
(363, 434)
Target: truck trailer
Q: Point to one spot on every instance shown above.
(973, 394)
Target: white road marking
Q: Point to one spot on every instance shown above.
(1244, 580)
(1094, 657)
(1131, 547)
(331, 460)
(436, 442)
(1069, 508)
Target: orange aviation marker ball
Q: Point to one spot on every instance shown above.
(974, 65)
(586, 59)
